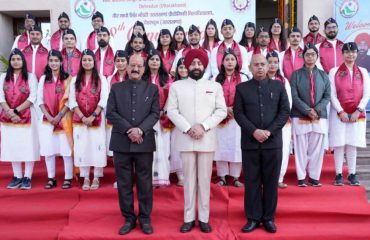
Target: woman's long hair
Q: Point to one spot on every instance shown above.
(244, 40)
(162, 73)
(184, 41)
(81, 71)
(206, 37)
(159, 45)
(282, 34)
(49, 73)
(10, 70)
(177, 75)
(221, 77)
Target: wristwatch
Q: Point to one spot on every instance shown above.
(94, 114)
(360, 110)
(16, 111)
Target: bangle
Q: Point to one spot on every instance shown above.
(60, 114)
(94, 114)
(82, 117)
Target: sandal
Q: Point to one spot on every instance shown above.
(237, 183)
(86, 185)
(52, 183)
(67, 184)
(95, 184)
(222, 182)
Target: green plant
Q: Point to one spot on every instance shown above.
(4, 62)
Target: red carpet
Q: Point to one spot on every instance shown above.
(326, 213)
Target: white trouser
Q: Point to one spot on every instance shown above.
(351, 155)
(309, 153)
(287, 136)
(68, 166)
(197, 167)
(85, 172)
(228, 168)
(28, 169)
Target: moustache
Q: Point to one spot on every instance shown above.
(135, 72)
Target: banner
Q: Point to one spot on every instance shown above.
(354, 26)
(120, 16)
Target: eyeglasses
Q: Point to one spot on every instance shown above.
(263, 36)
(331, 28)
(310, 54)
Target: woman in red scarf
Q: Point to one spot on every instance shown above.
(156, 73)
(277, 36)
(55, 125)
(228, 155)
(350, 92)
(274, 73)
(179, 40)
(19, 139)
(249, 37)
(88, 98)
(211, 37)
(168, 52)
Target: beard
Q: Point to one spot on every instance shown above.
(331, 35)
(314, 30)
(102, 43)
(196, 74)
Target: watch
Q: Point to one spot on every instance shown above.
(16, 111)
(94, 114)
(360, 110)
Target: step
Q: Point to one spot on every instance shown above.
(363, 160)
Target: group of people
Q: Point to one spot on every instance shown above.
(182, 105)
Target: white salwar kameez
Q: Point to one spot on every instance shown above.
(90, 142)
(20, 142)
(161, 162)
(345, 137)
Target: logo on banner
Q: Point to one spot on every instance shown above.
(349, 8)
(241, 5)
(84, 8)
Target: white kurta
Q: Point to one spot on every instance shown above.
(341, 133)
(20, 143)
(51, 143)
(90, 142)
(161, 162)
(175, 156)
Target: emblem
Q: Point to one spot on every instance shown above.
(58, 89)
(22, 89)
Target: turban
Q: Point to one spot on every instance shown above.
(363, 37)
(199, 53)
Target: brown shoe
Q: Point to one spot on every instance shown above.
(283, 185)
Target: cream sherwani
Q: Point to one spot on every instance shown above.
(193, 102)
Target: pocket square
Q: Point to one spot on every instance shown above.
(209, 92)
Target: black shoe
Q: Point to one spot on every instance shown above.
(126, 228)
(15, 183)
(52, 183)
(302, 183)
(205, 227)
(352, 180)
(26, 183)
(314, 183)
(146, 228)
(250, 226)
(339, 180)
(187, 226)
(270, 226)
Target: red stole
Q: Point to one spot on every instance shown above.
(310, 38)
(249, 48)
(108, 65)
(215, 44)
(272, 45)
(87, 100)
(91, 41)
(23, 41)
(288, 65)
(55, 40)
(168, 59)
(53, 94)
(182, 46)
(257, 50)
(221, 50)
(349, 91)
(75, 61)
(280, 78)
(15, 95)
(41, 59)
(327, 55)
(116, 79)
(186, 50)
(229, 88)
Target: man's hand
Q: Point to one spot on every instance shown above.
(261, 135)
(230, 112)
(313, 114)
(196, 132)
(135, 135)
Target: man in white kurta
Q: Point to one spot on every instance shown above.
(196, 106)
(347, 119)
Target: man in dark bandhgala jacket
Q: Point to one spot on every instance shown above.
(261, 108)
(133, 109)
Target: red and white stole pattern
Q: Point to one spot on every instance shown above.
(167, 59)
(222, 49)
(23, 41)
(55, 40)
(349, 90)
(91, 41)
(116, 79)
(288, 65)
(75, 61)
(272, 45)
(108, 65)
(87, 100)
(327, 55)
(310, 38)
(15, 95)
(41, 59)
